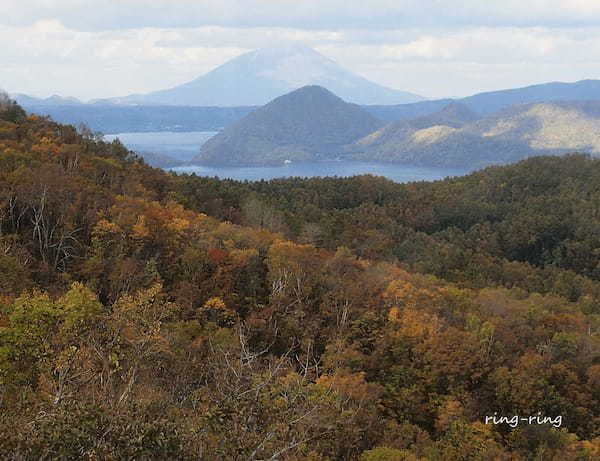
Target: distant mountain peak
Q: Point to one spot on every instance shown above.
(309, 91)
(455, 114)
(457, 107)
(257, 77)
(284, 49)
(313, 97)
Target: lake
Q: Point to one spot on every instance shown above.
(184, 146)
(179, 145)
(398, 173)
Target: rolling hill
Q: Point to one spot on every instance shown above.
(509, 135)
(454, 115)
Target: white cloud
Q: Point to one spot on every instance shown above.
(129, 49)
(497, 45)
(307, 14)
(462, 62)
(47, 58)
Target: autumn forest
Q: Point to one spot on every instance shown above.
(147, 315)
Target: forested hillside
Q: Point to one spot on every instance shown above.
(457, 137)
(308, 124)
(510, 225)
(393, 139)
(149, 316)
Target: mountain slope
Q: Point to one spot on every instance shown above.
(259, 76)
(135, 325)
(387, 139)
(512, 134)
(306, 124)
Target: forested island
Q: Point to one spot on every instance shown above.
(146, 315)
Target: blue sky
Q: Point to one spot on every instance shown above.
(92, 49)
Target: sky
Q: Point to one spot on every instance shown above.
(435, 48)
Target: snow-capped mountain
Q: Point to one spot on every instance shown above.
(257, 77)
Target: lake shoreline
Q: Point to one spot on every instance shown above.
(323, 168)
(183, 146)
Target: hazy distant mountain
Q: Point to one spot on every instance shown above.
(54, 100)
(406, 111)
(259, 76)
(122, 119)
(493, 101)
(107, 116)
(307, 124)
(506, 136)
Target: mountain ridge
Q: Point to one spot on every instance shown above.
(492, 101)
(454, 115)
(514, 133)
(54, 100)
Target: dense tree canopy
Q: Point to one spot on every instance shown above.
(149, 316)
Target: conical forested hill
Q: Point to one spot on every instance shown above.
(307, 124)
